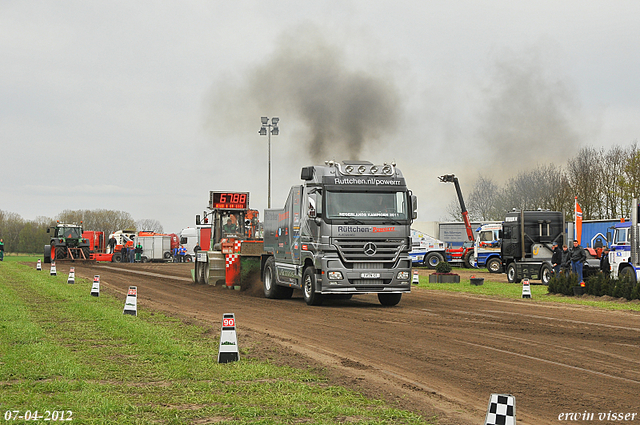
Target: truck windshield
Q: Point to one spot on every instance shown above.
(620, 237)
(373, 205)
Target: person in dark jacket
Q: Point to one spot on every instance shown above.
(578, 257)
(605, 266)
(112, 245)
(124, 253)
(556, 258)
(566, 259)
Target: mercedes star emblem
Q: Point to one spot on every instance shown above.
(370, 248)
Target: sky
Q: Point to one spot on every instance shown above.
(146, 106)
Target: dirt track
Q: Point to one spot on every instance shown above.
(434, 353)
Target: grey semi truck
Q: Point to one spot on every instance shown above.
(345, 231)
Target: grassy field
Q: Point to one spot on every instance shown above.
(538, 293)
(65, 351)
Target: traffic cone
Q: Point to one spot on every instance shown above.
(52, 271)
(131, 303)
(501, 410)
(526, 289)
(95, 289)
(228, 351)
(72, 275)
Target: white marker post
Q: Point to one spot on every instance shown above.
(416, 278)
(131, 304)
(526, 289)
(39, 265)
(95, 289)
(501, 410)
(228, 351)
(72, 275)
(52, 271)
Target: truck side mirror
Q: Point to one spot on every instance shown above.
(414, 206)
(312, 207)
(197, 219)
(48, 230)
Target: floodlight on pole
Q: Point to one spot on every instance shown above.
(267, 130)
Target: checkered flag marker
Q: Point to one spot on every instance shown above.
(501, 410)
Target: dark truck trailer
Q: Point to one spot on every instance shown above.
(345, 231)
(527, 244)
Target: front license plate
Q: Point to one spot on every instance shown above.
(370, 275)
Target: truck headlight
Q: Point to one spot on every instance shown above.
(403, 276)
(335, 275)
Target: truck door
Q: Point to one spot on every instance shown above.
(296, 210)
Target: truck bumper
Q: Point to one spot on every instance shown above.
(338, 279)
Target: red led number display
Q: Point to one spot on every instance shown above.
(230, 200)
(228, 323)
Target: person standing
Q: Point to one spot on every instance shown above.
(111, 244)
(123, 252)
(556, 258)
(578, 257)
(1, 250)
(566, 259)
(138, 252)
(605, 265)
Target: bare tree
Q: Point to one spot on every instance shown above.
(629, 181)
(612, 168)
(482, 200)
(150, 225)
(583, 173)
(107, 221)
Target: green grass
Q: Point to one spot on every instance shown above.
(63, 349)
(513, 291)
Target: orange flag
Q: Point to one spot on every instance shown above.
(578, 220)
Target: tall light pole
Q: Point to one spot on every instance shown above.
(269, 129)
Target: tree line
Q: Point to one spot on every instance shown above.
(605, 182)
(30, 236)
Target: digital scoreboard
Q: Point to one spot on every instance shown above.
(228, 200)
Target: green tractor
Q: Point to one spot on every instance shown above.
(66, 243)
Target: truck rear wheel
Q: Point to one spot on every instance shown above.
(311, 297)
(117, 257)
(47, 254)
(389, 299)
(511, 273)
(60, 253)
(432, 259)
(494, 265)
(269, 285)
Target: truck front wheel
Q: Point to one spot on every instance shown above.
(311, 297)
(629, 273)
(511, 273)
(389, 299)
(545, 274)
(494, 265)
(432, 259)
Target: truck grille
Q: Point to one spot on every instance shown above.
(370, 250)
